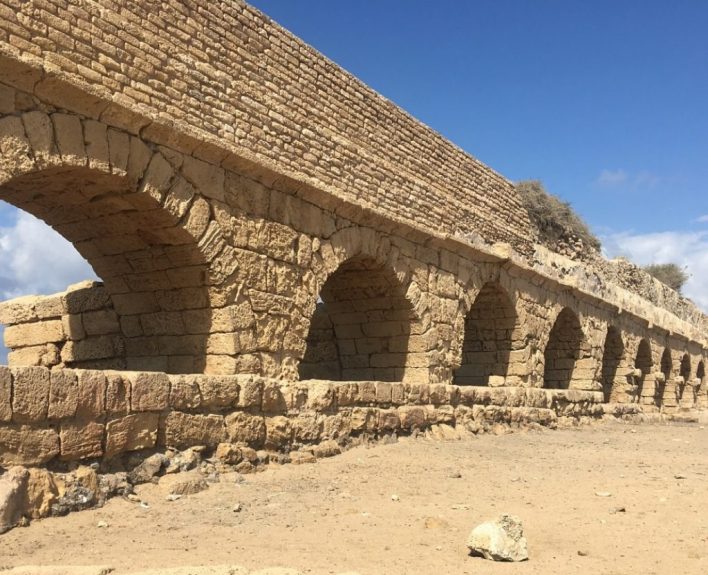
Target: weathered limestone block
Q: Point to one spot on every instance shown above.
(412, 417)
(32, 334)
(389, 420)
(5, 394)
(26, 445)
(63, 394)
(81, 439)
(130, 433)
(274, 400)
(46, 355)
(243, 427)
(183, 430)
(347, 393)
(13, 487)
(321, 396)
(251, 393)
(117, 394)
(184, 393)
(279, 433)
(218, 392)
(364, 419)
(307, 428)
(42, 492)
(91, 401)
(149, 391)
(30, 397)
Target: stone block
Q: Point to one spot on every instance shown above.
(279, 433)
(80, 440)
(274, 400)
(27, 445)
(364, 419)
(384, 393)
(347, 393)
(46, 355)
(412, 417)
(320, 396)
(149, 391)
(5, 394)
(307, 428)
(219, 392)
(184, 392)
(38, 333)
(30, 397)
(91, 402)
(243, 427)
(251, 392)
(63, 394)
(181, 430)
(117, 394)
(130, 433)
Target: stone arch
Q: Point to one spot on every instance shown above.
(139, 223)
(562, 350)
(613, 353)
(490, 335)
(701, 373)
(363, 327)
(642, 365)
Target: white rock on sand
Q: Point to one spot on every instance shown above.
(501, 539)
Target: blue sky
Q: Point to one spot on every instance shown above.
(604, 101)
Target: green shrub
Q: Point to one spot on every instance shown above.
(553, 218)
(670, 274)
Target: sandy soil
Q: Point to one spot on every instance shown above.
(339, 515)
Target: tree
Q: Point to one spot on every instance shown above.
(553, 218)
(670, 274)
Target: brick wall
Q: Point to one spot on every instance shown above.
(225, 72)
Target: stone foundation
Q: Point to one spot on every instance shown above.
(48, 417)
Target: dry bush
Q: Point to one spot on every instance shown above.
(670, 274)
(554, 219)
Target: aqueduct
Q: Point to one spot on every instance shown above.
(285, 255)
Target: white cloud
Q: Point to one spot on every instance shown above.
(34, 259)
(702, 219)
(643, 180)
(687, 249)
(609, 178)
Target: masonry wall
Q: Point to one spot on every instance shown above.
(225, 73)
(50, 417)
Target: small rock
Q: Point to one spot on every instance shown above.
(245, 467)
(300, 457)
(144, 505)
(455, 475)
(582, 553)
(603, 494)
(229, 453)
(327, 448)
(132, 497)
(619, 510)
(395, 498)
(148, 469)
(13, 485)
(173, 497)
(186, 483)
(237, 508)
(501, 539)
(101, 524)
(679, 476)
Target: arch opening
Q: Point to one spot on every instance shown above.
(562, 350)
(643, 364)
(363, 327)
(612, 355)
(491, 333)
(685, 373)
(151, 311)
(666, 368)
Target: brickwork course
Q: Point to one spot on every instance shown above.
(286, 257)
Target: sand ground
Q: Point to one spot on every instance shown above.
(339, 514)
